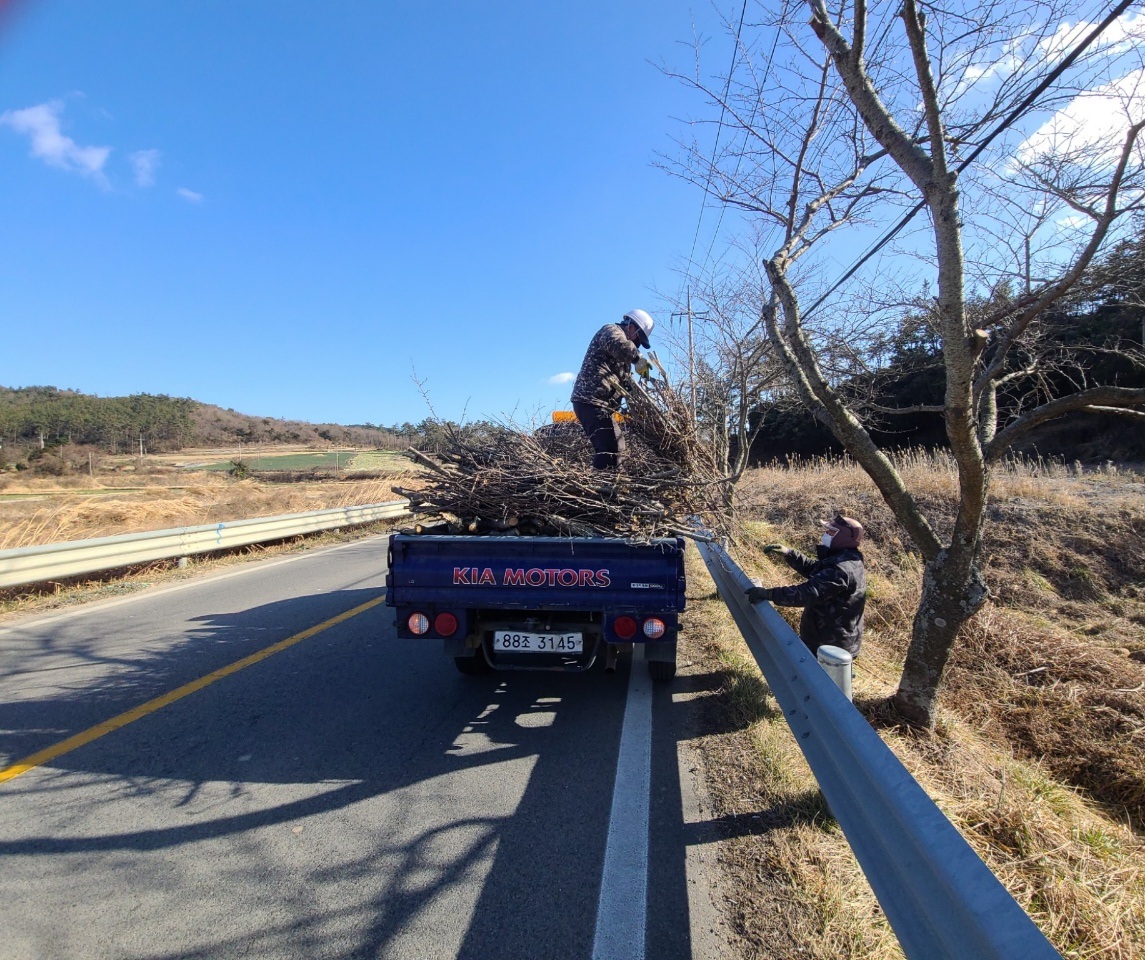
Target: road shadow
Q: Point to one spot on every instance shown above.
(350, 725)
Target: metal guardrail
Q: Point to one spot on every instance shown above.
(52, 561)
(941, 900)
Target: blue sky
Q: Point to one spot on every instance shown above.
(290, 208)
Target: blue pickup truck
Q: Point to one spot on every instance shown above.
(520, 603)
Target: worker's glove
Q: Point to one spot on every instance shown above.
(612, 390)
(644, 367)
(777, 548)
(755, 594)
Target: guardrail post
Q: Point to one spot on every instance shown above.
(838, 664)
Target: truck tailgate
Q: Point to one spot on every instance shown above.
(523, 573)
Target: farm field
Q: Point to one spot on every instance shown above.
(168, 492)
(351, 461)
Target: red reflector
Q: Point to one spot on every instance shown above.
(625, 627)
(654, 628)
(418, 623)
(445, 624)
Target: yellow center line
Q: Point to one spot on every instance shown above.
(94, 733)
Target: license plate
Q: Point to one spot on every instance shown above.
(515, 641)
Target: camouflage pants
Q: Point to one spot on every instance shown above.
(603, 433)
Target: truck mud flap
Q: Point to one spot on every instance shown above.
(552, 662)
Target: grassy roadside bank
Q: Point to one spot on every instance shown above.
(1039, 758)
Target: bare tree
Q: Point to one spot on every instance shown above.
(726, 361)
(1015, 129)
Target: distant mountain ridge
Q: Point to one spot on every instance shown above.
(29, 415)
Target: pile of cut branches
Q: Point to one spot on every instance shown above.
(541, 483)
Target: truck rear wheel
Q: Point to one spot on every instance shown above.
(473, 666)
(661, 670)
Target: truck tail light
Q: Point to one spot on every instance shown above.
(625, 627)
(418, 623)
(445, 624)
(654, 628)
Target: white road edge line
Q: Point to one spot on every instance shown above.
(621, 913)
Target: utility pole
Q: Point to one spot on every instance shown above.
(691, 347)
(1028, 278)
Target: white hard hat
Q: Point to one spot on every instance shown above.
(643, 322)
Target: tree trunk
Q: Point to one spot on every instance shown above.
(953, 590)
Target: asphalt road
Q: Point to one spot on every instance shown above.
(348, 795)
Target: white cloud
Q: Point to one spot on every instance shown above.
(1119, 35)
(995, 64)
(189, 195)
(41, 124)
(145, 162)
(1095, 122)
(562, 378)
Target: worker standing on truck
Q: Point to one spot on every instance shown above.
(604, 379)
(835, 594)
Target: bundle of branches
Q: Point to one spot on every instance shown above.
(660, 425)
(541, 483)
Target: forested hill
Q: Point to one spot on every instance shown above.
(115, 424)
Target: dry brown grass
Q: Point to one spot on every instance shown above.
(1039, 757)
(1051, 665)
(163, 500)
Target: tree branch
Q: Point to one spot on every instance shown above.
(931, 108)
(919, 408)
(877, 118)
(818, 396)
(1096, 397)
(1056, 290)
(1123, 411)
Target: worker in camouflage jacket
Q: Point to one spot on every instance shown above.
(835, 593)
(604, 380)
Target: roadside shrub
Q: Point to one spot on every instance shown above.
(48, 463)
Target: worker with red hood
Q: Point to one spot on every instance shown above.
(835, 592)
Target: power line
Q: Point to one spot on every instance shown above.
(716, 143)
(739, 156)
(1007, 122)
(782, 19)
